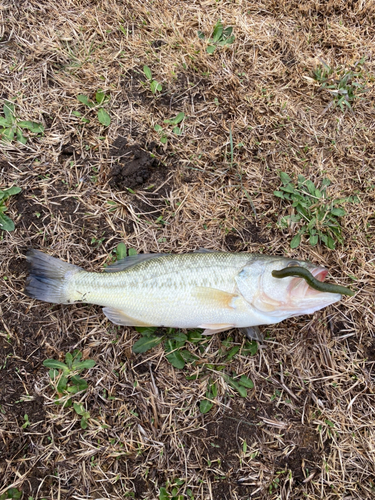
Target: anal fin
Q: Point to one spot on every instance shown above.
(119, 317)
(210, 329)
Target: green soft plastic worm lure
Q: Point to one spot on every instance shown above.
(301, 272)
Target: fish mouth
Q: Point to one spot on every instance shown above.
(300, 290)
(297, 297)
(303, 299)
(319, 273)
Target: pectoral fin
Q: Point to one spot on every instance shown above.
(118, 317)
(212, 297)
(253, 333)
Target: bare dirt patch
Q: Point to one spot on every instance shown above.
(134, 166)
(238, 240)
(241, 435)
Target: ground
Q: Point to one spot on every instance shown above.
(306, 427)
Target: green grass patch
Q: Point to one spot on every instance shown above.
(12, 127)
(220, 36)
(100, 100)
(67, 382)
(344, 85)
(6, 224)
(154, 86)
(315, 214)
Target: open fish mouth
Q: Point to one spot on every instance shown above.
(311, 280)
(320, 273)
(298, 288)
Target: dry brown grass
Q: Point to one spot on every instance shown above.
(309, 421)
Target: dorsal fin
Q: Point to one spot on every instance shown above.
(131, 261)
(204, 250)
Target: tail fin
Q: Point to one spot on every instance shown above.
(48, 277)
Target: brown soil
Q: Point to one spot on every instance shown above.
(134, 166)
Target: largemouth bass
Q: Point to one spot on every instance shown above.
(215, 291)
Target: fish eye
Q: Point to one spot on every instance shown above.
(293, 263)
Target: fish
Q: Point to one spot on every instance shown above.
(215, 291)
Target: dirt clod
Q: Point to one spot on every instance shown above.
(133, 167)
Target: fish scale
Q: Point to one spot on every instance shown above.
(144, 290)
